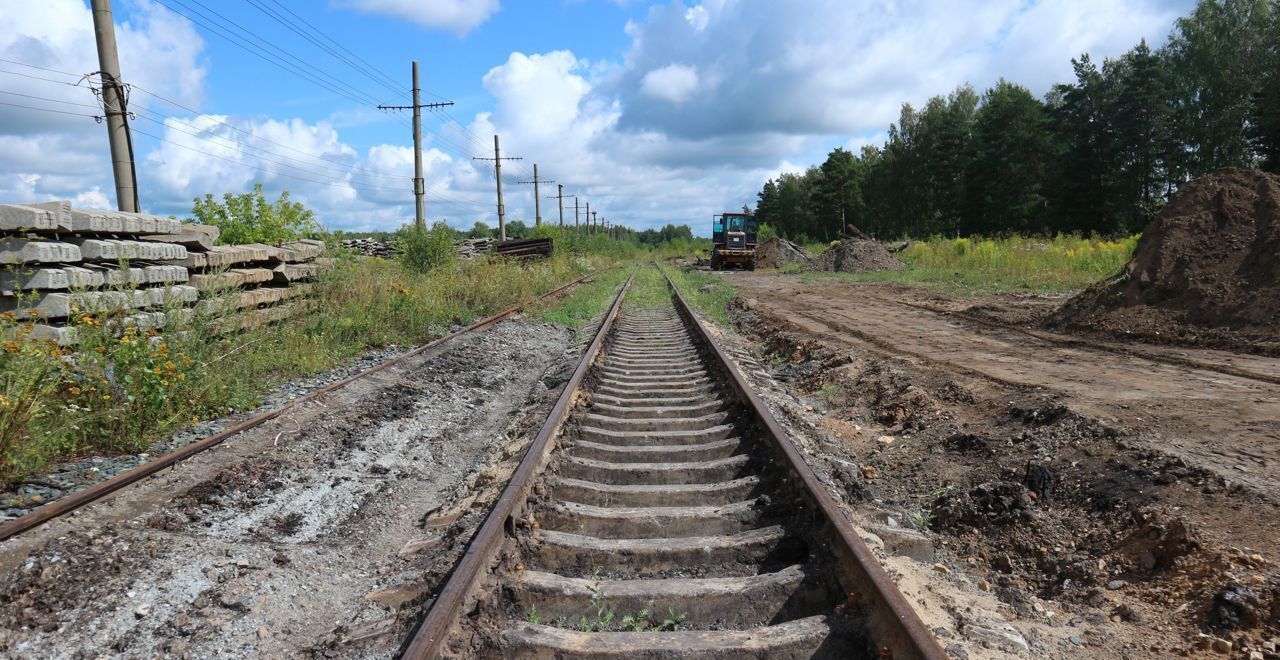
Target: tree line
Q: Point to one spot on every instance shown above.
(1099, 155)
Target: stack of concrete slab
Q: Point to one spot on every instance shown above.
(252, 282)
(57, 262)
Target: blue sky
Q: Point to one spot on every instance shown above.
(654, 112)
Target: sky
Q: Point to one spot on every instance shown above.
(652, 112)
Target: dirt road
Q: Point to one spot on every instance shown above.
(1213, 408)
(1118, 498)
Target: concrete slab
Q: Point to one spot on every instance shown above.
(61, 305)
(192, 236)
(18, 217)
(107, 249)
(286, 273)
(905, 542)
(302, 250)
(168, 296)
(20, 250)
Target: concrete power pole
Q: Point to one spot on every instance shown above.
(114, 104)
(419, 183)
(560, 197)
(537, 201)
(595, 221)
(577, 226)
(497, 174)
(588, 218)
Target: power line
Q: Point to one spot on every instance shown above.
(65, 73)
(234, 146)
(300, 32)
(257, 51)
(252, 134)
(27, 75)
(289, 176)
(61, 112)
(41, 98)
(255, 167)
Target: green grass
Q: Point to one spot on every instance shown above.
(585, 301)
(119, 392)
(705, 292)
(974, 266)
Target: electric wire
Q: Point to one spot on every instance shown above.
(335, 42)
(42, 98)
(339, 56)
(278, 62)
(61, 112)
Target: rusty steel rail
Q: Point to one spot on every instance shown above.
(69, 503)
(892, 623)
(433, 631)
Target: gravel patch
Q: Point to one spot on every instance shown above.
(319, 537)
(67, 478)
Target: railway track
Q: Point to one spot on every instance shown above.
(662, 512)
(73, 501)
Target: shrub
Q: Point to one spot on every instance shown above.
(249, 218)
(424, 249)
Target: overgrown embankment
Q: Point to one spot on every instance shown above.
(116, 393)
(974, 266)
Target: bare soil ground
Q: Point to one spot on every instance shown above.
(1076, 497)
(322, 533)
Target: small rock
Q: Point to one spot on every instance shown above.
(956, 651)
(1116, 584)
(942, 568)
(869, 472)
(885, 439)
(1075, 639)
(142, 611)
(941, 631)
(1220, 645)
(984, 585)
(181, 620)
(263, 633)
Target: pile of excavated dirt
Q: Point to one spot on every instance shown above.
(857, 256)
(1206, 271)
(776, 253)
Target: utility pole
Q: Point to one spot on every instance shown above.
(537, 201)
(576, 225)
(114, 103)
(560, 197)
(596, 222)
(588, 218)
(497, 174)
(419, 183)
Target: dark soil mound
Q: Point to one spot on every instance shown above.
(776, 253)
(857, 256)
(1207, 270)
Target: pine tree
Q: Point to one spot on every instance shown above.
(1005, 181)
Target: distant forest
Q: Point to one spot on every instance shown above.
(1096, 156)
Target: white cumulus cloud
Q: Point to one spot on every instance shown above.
(459, 16)
(674, 83)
